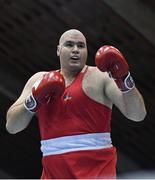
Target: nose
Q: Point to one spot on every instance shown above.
(75, 49)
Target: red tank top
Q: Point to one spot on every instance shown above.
(73, 114)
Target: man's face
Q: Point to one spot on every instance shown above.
(72, 51)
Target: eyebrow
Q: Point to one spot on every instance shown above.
(69, 42)
(78, 42)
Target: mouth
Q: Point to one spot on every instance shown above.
(75, 58)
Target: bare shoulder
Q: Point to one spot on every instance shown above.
(28, 86)
(36, 77)
(97, 74)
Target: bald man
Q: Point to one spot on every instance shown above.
(74, 107)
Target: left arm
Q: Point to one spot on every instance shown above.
(131, 103)
(121, 89)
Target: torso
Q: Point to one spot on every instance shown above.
(86, 111)
(83, 108)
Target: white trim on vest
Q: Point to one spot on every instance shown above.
(60, 145)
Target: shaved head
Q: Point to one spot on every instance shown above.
(71, 32)
(72, 51)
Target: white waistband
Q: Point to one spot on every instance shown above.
(80, 142)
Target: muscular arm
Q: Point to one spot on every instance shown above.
(131, 103)
(121, 90)
(18, 117)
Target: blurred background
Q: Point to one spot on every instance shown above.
(29, 34)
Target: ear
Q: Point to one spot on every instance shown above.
(58, 50)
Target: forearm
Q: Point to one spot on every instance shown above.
(18, 118)
(127, 99)
(133, 105)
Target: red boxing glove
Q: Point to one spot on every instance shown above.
(52, 85)
(110, 59)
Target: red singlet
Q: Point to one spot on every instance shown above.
(75, 136)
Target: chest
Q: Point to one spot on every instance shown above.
(90, 85)
(88, 82)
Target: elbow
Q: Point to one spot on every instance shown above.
(10, 129)
(9, 126)
(13, 123)
(13, 128)
(137, 117)
(142, 117)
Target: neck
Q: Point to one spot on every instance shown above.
(70, 75)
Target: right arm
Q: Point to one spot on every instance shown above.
(18, 117)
